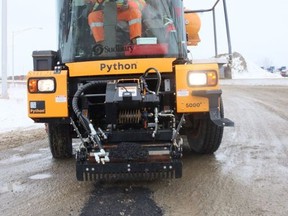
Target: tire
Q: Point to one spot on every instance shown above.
(60, 140)
(203, 135)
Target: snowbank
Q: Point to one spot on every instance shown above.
(243, 68)
(250, 71)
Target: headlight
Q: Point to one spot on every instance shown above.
(41, 85)
(46, 85)
(196, 79)
(205, 78)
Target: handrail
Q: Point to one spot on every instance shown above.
(203, 10)
(214, 25)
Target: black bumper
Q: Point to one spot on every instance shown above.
(214, 112)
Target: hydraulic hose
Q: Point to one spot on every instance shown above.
(158, 80)
(83, 119)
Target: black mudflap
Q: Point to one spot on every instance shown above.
(133, 170)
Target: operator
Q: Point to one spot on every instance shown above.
(127, 10)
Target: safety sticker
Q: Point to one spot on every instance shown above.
(182, 93)
(61, 99)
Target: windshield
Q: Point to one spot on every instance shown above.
(105, 29)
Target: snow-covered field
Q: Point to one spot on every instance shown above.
(13, 111)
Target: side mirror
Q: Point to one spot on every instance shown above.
(192, 25)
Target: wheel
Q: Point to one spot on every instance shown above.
(60, 140)
(203, 135)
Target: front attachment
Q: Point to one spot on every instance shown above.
(128, 170)
(127, 133)
(129, 161)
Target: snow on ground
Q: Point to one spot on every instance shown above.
(13, 111)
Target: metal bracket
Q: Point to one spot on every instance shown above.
(214, 112)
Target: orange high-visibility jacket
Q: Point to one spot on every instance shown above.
(132, 14)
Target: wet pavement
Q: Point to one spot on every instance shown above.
(248, 175)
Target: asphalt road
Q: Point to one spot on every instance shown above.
(248, 175)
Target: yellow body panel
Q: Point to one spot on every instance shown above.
(50, 105)
(184, 99)
(116, 67)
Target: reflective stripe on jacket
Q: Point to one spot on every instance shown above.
(132, 15)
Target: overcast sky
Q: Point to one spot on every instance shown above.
(258, 29)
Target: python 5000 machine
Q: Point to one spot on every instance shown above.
(128, 101)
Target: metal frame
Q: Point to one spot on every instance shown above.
(214, 25)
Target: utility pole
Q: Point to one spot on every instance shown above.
(4, 50)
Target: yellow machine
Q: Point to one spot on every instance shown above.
(129, 102)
